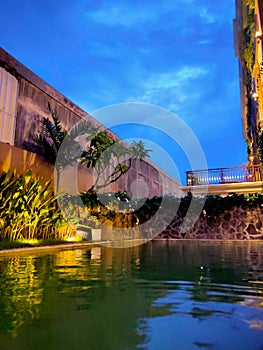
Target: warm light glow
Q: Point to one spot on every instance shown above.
(73, 239)
(258, 34)
(29, 241)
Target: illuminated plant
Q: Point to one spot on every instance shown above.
(28, 209)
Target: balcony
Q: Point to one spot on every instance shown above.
(241, 179)
(223, 175)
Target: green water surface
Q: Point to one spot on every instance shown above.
(160, 295)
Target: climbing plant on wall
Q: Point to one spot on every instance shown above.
(250, 3)
(248, 54)
(260, 144)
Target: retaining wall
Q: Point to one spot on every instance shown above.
(235, 224)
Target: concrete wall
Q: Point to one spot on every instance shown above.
(225, 189)
(145, 179)
(19, 160)
(32, 105)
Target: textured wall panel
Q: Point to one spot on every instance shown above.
(8, 106)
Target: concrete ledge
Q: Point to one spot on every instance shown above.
(55, 247)
(44, 248)
(239, 187)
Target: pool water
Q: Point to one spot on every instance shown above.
(160, 295)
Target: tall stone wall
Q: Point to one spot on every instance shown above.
(235, 224)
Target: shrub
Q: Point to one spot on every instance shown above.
(28, 209)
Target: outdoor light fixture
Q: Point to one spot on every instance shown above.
(255, 95)
(258, 34)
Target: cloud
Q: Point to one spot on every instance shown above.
(206, 16)
(134, 14)
(171, 89)
(204, 42)
(120, 15)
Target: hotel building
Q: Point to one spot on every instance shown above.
(248, 49)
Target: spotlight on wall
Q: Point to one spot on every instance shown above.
(258, 34)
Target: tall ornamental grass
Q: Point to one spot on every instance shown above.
(29, 210)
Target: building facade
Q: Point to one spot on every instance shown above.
(24, 99)
(248, 49)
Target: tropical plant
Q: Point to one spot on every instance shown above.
(51, 137)
(250, 3)
(109, 158)
(103, 154)
(28, 209)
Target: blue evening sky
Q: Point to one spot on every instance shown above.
(176, 54)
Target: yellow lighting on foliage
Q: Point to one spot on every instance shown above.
(73, 239)
(29, 241)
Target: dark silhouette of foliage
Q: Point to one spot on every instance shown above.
(103, 153)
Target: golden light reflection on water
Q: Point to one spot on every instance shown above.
(23, 292)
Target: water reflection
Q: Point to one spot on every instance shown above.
(162, 295)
